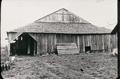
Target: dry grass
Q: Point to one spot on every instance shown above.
(82, 66)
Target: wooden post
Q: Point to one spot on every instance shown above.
(78, 43)
(118, 34)
(8, 48)
(83, 43)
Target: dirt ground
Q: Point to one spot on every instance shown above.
(81, 66)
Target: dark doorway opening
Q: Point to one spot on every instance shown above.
(87, 49)
(24, 45)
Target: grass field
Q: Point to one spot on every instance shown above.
(82, 66)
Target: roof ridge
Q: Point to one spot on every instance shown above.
(49, 14)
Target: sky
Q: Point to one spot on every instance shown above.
(18, 13)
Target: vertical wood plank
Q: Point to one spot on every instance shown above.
(78, 43)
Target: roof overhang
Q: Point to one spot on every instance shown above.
(114, 31)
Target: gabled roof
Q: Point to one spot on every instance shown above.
(70, 28)
(62, 21)
(62, 15)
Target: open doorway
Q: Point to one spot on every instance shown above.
(87, 49)
(24, 45)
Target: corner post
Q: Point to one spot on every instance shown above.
(118, 35)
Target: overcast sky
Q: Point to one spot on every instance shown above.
(17, 13)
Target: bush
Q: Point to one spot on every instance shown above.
(4, 54)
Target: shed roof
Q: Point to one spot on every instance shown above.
(62, 21)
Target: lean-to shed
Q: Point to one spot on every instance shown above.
(61, 26)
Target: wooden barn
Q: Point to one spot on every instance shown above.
(62, 26)
(116, 31)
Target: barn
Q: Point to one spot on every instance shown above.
(62, 26)
(116, 31)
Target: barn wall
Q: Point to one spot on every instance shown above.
(97, 42)
(104, 42)
(65, 38)
(47, 42)
(114, 41)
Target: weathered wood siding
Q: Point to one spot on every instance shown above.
(61, 15)
(47, 42)
(114, 41)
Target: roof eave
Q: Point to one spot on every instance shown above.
(114, 30)
(63, 33)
